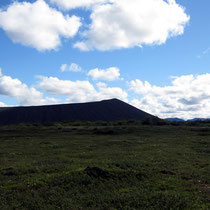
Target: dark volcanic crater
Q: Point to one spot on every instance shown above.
(107, 110)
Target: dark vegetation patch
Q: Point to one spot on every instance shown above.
(9, 172)
(168, 172)
(97, 172)
(85, 166)
(105, 131)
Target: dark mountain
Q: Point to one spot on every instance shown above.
(107, 110)
(174, 120)
(191, 120)
(198, 119)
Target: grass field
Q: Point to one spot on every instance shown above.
(104, 166)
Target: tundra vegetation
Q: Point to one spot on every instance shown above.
(105, 165)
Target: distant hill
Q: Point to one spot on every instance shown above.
(198, 119)
(107, 110)
(191, 120)
(174, 119)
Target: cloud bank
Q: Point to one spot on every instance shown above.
(115, 24)
(187, 97)
(79, 91)
(25, 95)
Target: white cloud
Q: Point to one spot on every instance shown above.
(79, 91)
(25, 95)
(63, 67)
(37, 25)
(72, 4)
(126, 23)
(1, 72)
(110, 74)
(111, 92)
(101, 85)
(73, 67)
(187, 97)
(54, 86)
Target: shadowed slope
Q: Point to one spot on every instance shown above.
(107, 110)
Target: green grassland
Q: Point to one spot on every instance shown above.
(121, 165)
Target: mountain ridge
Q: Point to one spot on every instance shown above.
(189, 120)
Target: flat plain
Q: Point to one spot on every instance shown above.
(118, 165)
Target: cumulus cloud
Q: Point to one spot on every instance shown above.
(126, 23)
(0, 72)
(73, 4)
(73, 67)
(25, 95)
(110, 74)
(79, 91)
(37, 25)
(188, 97)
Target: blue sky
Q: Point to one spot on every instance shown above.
(153, 54)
